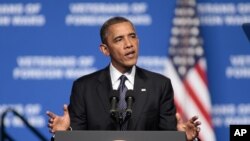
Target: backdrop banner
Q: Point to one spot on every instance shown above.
(45, 45)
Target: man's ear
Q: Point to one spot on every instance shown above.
(104, 49)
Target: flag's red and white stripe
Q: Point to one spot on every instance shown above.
(186, 67)
(192, 96)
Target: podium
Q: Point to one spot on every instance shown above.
(120, 136)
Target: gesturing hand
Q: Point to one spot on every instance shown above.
(191, 127)
(59, 123)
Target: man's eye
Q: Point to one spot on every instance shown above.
(118, 39)
(133, 36)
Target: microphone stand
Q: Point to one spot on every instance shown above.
(117, 114)
(5, 136)
(118, 118)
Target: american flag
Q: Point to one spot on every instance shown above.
(186, 67)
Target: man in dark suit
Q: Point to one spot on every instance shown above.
(153, 109)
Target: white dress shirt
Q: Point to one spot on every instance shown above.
(115, 77)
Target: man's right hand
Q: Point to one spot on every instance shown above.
(59, 123)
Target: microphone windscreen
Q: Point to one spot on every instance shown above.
(130, 93)
(114, 93)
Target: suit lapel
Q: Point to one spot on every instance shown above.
(104, 88)
(140, 94)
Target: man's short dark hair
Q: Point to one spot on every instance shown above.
(108, 23)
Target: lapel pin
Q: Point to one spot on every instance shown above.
(143, 90)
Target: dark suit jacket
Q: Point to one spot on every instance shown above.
(153, 108)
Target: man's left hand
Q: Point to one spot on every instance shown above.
(191, 127)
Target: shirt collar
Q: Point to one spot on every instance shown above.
(115, 74)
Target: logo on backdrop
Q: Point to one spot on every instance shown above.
(20, 14)
(92, 14)
(52, 67)
(32, 112)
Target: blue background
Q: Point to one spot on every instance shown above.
(55, 38)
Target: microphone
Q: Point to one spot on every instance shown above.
(130, 100)
(114, 98)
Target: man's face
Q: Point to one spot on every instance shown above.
(122, 45)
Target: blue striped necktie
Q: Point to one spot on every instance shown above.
(122, 105)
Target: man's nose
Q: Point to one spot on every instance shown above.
(128, 43)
